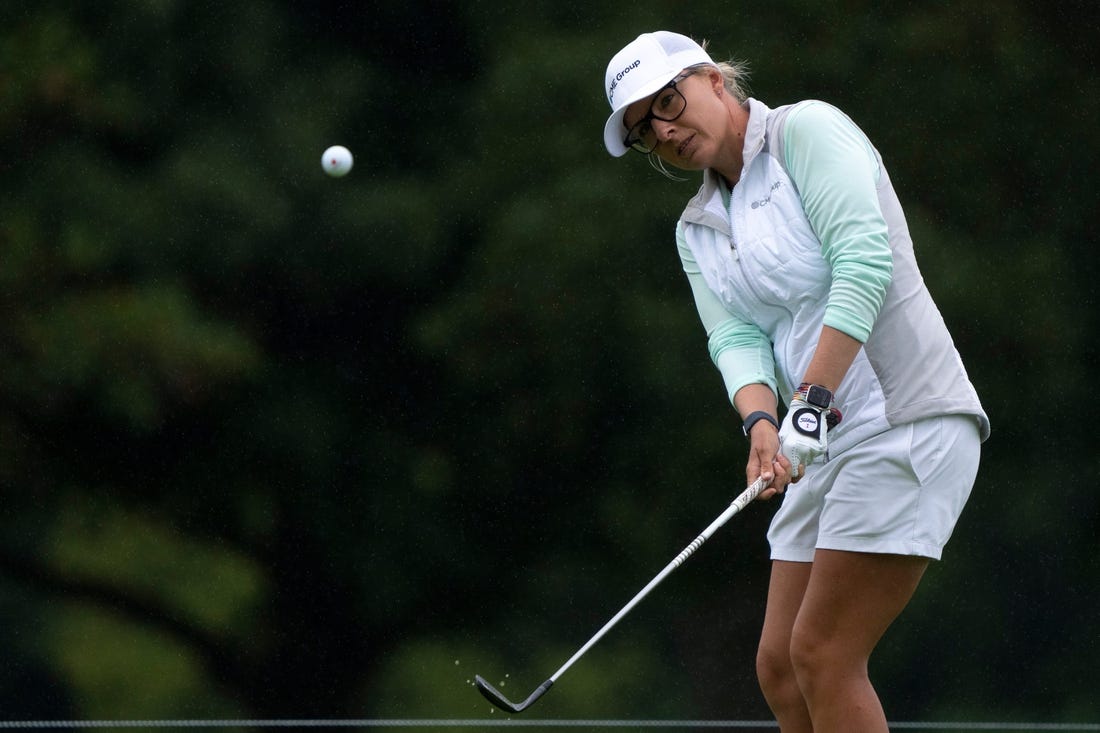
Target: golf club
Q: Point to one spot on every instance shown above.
(494, 695)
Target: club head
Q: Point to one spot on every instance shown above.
(495, 696)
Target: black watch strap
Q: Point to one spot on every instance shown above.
(755, 417)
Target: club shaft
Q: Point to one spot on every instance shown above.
(737, 505)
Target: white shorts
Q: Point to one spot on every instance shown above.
(899, 492)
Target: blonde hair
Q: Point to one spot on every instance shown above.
(735, 74)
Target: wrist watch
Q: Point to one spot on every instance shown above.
(815, 395)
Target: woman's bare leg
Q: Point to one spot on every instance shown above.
(773, 660)
(850, 600)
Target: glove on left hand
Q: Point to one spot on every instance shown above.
(803, 437)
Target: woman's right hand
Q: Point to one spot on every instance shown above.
(766, 460)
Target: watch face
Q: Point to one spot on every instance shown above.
(819, 396)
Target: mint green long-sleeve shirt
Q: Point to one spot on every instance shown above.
(813, 235)
(836, 172)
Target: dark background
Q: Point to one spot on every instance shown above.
(277, 445)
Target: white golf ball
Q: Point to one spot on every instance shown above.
(336, 161)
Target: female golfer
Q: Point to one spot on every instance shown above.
(802, 269)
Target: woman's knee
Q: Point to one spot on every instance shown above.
(773, 666)
(816, 658)
(807, 658)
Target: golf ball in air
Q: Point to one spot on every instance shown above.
(336, 161)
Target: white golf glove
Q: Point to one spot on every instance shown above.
(803, 436)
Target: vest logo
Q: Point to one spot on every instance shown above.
(767, 199)
(619, 77)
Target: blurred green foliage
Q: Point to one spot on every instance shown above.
(276, 445)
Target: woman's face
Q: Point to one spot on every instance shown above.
(695, 137)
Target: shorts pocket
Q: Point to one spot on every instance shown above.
(926, 448)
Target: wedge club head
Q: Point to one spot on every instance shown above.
(498, 699)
